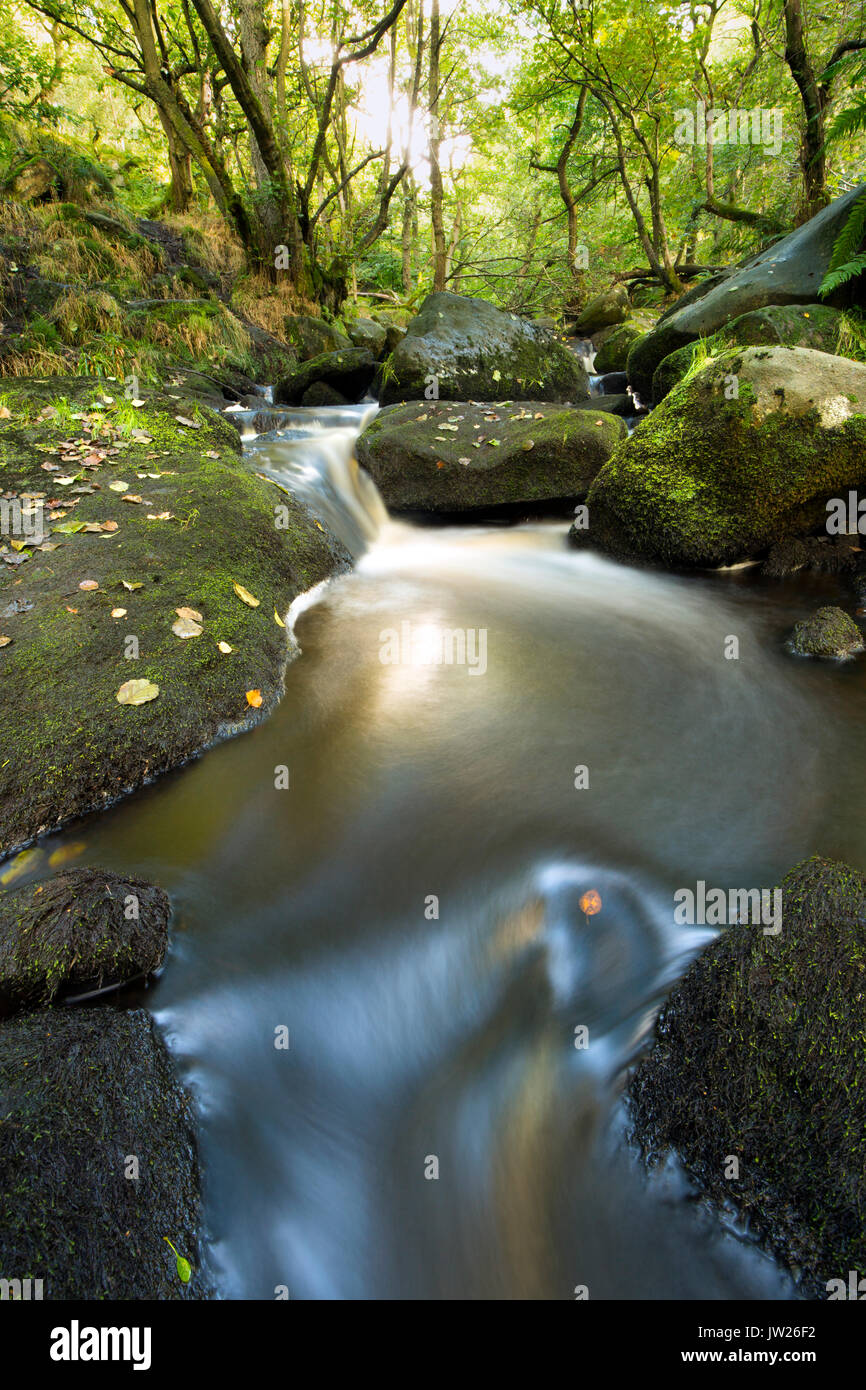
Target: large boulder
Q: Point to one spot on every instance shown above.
(470, 350)
(758, 1056)
(312, 337)
(349, 372)
(81, 931)
(196, 522)
(609, 307)
(790, 325)
(612, 355)
(366, 333)
(790, 272)
(97, 1158)
(440, 457)
(743, 453)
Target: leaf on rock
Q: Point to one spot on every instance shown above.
(224, 648)
(245, 596)
(135, 584)
(254, 698)
(190, 613)
(89, 584)
(186, 627)
(137, 692)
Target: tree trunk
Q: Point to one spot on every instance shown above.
(437, 196)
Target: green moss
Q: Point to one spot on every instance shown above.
(760, 1053)
(65, 667)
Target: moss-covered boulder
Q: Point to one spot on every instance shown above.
(789, 272)
(610, 307)
(458, 457)
(311, 337)
(829, 632)
(760, 1056)
(612, 355)
(144, 510)
(349, 372)
(466, 349)
(83, 930)
(366, 333)
(97, 1158)
(738, 456)
(788, 325)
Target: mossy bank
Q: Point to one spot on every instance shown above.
(150, 514)
(760, 1056)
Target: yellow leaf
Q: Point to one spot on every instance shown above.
(189, 613)
(245, 596)
(254, 698)
(224, 648)
(278, 620)
(185, 627)
(137, 692)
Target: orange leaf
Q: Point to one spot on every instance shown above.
(254, 698)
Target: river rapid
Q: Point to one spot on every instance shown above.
(446, 1120)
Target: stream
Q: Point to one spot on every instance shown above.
(406, 914)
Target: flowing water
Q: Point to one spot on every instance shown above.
(407, 912)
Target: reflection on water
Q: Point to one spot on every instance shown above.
(408, 910)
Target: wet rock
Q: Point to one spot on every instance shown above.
(743, 454)
(312, 337)
(461, 457)
(612, 383)
(365, 333)
(829, 632)
(321, 394)
(466, 349)
(790, 272)
(612, 355)
(618, 403)
(610, 307)
(205, 522)
(81, 931)
(349, 372)
(90, 1098)
(758, 1055)
(823, 555)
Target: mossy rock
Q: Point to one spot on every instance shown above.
(85, 1091)
(473, 351)
(205, 523)
(311, 337)
(612, 356)
(789, 325)
(83, 930)
(741, 454)
(449, 457)
(829, 632)
(760, 1054)
(349, 372)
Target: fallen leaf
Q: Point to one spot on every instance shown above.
(137, 692)
(118, 612)
(4, 641)
(131, 497)
(245, 596)
(189, 613)
(190, 424)
(185, 627)
(278, 620)
(109, 526)
(89, 584)
(160, 516)
(224, 648)
(115, 487)
(5, 412)
(254, 698)
(136, 584)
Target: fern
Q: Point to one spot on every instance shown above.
(846, 262)
(850, 121)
